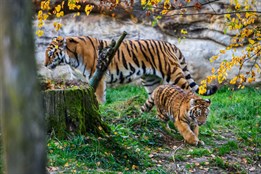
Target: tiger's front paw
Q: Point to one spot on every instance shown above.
(193, 140)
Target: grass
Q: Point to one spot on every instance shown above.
(140, 142)
(227, 148)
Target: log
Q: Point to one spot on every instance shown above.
(72, 111)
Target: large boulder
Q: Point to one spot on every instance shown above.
(60, 72)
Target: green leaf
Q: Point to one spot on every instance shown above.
(154, 22)
(225, 31)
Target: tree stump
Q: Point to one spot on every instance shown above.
(72, 110)
(76, 109)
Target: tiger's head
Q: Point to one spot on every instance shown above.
(54, 54)
(199, 110)
(69, 50)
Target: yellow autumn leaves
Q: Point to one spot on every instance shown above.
(150, 2)
(88, 9)
(46, 10)
(240, 20)
(247, 36)
(73, 4)
(166, 7)
(155, 3)
(45, 5)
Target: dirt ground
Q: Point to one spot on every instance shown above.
(235, 162)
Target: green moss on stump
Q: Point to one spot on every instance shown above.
(73, 110)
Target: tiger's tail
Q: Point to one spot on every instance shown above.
(148, 105)
(193, 85)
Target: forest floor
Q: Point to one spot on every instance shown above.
(140, 143)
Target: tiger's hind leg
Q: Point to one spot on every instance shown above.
(101, 91)
(162, 115)
(179, 79)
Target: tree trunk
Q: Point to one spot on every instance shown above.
(22, 121)
(73, 110)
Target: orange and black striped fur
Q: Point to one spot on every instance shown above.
(156, 62)
(187, 110)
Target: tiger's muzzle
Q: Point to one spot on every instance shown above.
(54, 63)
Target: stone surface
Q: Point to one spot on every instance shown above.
(60, 72)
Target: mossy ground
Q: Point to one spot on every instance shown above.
(140, 143)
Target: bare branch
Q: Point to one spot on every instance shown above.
(212, 8)
(184, 7)
(105, 57)
(233, 12)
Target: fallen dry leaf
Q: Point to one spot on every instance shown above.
(252, 169)
(244, 160)
(197, 164)
(206, 169)
(52, 169)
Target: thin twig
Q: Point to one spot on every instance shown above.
(240, 68)
(191, 14)
(212, 8)
(173, 153)
(183, 7)
(255, 61)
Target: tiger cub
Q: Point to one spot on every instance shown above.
(183, 107)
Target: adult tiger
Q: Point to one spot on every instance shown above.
(187, 110)
(154, 61)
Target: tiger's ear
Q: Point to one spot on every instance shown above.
(72, 40)
(192, 102)
(60, 40)
(208, 101)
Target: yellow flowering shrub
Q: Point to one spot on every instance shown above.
(248, 34)
(46, 11)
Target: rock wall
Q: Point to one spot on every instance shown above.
(204, 39)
